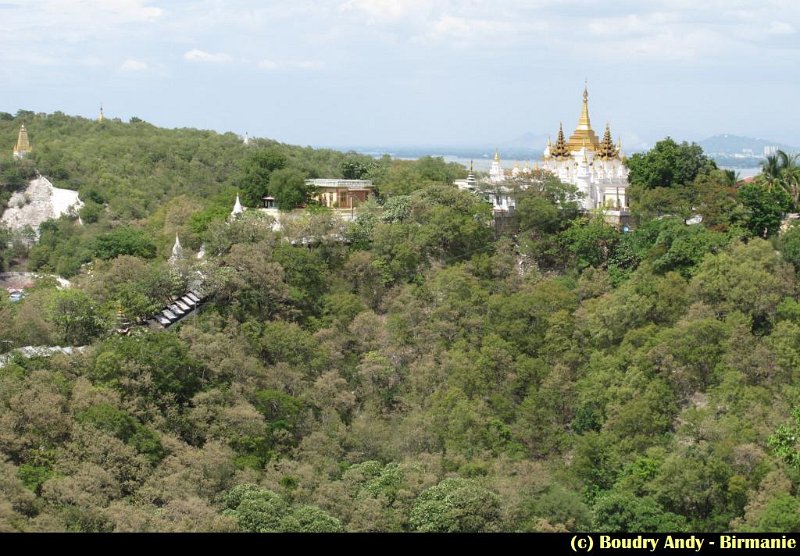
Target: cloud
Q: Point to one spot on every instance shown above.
(289, 64)
(197, 55)
(268, 65)
(384, 9)
(118, 10)
(131, 65)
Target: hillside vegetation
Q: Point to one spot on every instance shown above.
(428, 374)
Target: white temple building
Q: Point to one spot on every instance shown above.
(595, 166)
(177, 252)
(237, 209)
(493, 189)
(496, 174)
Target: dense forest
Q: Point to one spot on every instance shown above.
(431, 372)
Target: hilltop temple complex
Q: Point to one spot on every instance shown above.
(595, 166)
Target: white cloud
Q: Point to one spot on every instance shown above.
(118, 10)
(289, 64)
(780, 28)
(197, 55)
(131, 65)
(384, 9)
(268, 65)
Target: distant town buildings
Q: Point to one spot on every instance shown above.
(770, 150)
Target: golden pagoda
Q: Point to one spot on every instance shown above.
(584, 132)
(101, 118)
(23, 147)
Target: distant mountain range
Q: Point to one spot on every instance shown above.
(738, 145)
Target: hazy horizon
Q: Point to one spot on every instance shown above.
(414, 73)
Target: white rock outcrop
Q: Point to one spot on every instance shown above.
(39, 201)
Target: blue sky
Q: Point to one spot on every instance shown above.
(413, 72)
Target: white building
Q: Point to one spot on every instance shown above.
(493, 191)
(341, 193)
(595, 166)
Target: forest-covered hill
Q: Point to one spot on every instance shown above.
(427, 375)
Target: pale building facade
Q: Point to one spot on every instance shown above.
(342, 194)
(492, 190)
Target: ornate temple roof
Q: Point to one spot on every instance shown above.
(560, 149)
(607, 149)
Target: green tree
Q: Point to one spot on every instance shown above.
(124, 241)
(592, 241)
(629, 513)
(456, 505)
(668, 164)
(77, 317)
(764, 208)
(255, 172)
(289, 188)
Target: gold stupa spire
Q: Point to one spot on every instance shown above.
(560, 150)
(584, 129)
(607, 148)
(496, 155)
(23, 146)
(101, 118)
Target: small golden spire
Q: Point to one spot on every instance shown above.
(496, 155)
(560, 149)
(23, 146)
(607, 149)
(101, 118)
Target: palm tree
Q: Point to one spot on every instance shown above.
(732, 177)
(771, 171)
(781, 170)
(790, 174)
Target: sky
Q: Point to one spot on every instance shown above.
(411, 72)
